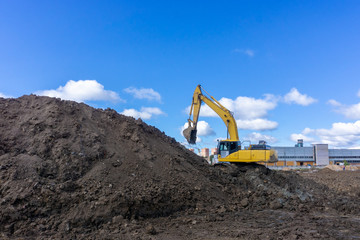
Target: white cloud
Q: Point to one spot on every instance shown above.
(248, 52)
(198, 139)
(339, 135)
(258, 124)
(244, 107)
(340, 129)
(255, 137)
(294, 137)
(294, 96)
(248, 112)
(82, 90)
(334, 103)
(4, 96)
(307, 131)
(144, 93)
(351, 112)
(203, 129)
(145, 113)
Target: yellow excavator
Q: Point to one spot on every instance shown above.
(228, 150)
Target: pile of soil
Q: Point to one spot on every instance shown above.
(342, 182)
(68, 170)
(342, 168)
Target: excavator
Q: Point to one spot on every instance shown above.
(229, 150)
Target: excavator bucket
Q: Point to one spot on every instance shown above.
(190, 134)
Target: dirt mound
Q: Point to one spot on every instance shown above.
(334, 167)
(351, 168)
(341, 168)
(67, 169)
(343, 182)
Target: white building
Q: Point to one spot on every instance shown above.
(317, 154)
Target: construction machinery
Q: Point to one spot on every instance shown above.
(229, 150)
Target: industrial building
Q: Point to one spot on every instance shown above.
(317, 154)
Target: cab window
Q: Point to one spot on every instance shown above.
(223, 146)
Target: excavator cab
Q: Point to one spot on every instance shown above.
(228, 147)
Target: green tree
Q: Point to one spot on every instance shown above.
(211, 159)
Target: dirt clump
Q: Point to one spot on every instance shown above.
(68, 170)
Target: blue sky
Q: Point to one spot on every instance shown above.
(287, 69)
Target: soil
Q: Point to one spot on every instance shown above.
(70, 171)
(342, 182)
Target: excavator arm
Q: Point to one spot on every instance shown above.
(228, 150)
(198, 98)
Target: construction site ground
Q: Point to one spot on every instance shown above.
(69, 171)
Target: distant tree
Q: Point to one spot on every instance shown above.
(346, 163)
(211, 159)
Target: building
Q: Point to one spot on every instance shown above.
(204, 152)
(317, 154)
(352, 156)
(294, 156)
(213, 151)
(300, 143)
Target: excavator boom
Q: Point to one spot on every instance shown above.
(228, 150)
(227, 117)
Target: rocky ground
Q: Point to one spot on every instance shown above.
(74, 172)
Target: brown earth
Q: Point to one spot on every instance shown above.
(342, 182)
(74, 172)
